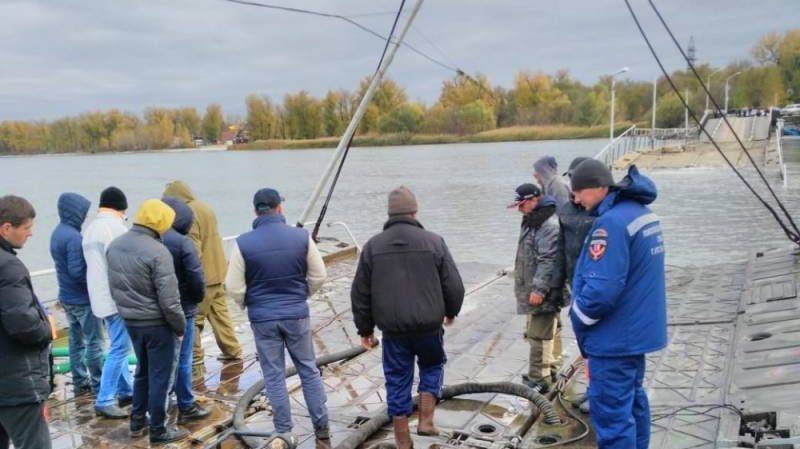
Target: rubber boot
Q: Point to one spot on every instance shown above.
(402, 436)
(322, 438)
(427, 405)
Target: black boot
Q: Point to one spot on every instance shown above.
(139, 425)
(167, 435)
(193, 413)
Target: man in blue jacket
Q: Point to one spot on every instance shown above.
(85, 329)
(619, 310)
(273, 269)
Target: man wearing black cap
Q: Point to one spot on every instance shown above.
(618, 307)
(273, 270)
(537, 280)
(116, 384)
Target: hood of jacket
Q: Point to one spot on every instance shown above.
(184, 217)
(544, 210)
(546, 167)
(634, 186)
(72, 209)
(180, 190)
(156, 215)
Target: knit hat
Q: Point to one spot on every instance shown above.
(155, 215)
(113, 198)
(402, 202)
(575, 162)
(589, 174)
(525, 192)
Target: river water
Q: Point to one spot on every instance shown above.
(463, 189)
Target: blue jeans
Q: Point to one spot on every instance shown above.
(272, 338)
(183, 369)
(85, 346)
(116, 380)
(620, 410)
(155, 348)
(398, 369)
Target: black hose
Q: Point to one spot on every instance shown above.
(381, 418)
(239, 423)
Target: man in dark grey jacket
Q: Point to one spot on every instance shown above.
(25, 337)
(407, 284)
(537, 280)
(144, 287)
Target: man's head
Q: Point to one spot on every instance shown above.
(575, 162)
(544, 169)
(527, 198)
(591, 180)
(16, 220)
(402, 202)
(268, 201)
(114, 199)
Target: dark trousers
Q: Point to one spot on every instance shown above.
(620, 410)
(25, 426)
(155, 348)
(398, 369)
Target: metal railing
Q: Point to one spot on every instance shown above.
(779, 150)
(642, 140)
(50, 272)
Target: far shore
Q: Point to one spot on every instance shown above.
(511, 134)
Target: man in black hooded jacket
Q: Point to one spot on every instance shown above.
(192, 287)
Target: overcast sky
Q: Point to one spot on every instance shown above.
(71, 56)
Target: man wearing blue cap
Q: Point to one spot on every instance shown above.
(273, 270)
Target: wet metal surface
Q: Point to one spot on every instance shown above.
(733, 331)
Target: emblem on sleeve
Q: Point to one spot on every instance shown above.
(598, 243)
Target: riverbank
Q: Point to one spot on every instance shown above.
(511, 134)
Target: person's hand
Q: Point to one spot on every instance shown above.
(448, 321)
(369, 342)
(535, 299)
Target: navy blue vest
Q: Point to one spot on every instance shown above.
(275, 269)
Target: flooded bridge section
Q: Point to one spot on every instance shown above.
(729, 375)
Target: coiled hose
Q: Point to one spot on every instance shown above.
(250, 394)
(380, 419)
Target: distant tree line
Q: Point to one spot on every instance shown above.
(465, 106)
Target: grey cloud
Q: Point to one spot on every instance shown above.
(72, 56)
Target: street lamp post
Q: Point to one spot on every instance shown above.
(613, 84)
(653, 125)
(727, 89)
(708, 85)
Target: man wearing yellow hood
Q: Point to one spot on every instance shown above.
(208, 243)
(144, 287)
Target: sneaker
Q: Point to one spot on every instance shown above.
(167, 435)
(139, 425)
(282, 441)
(124, 401)
(110, 412)
(193, 413)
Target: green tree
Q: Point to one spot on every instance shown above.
(473, 118)
(262, 120)
(405, 118)
(669, 111)
(336, 112)
(538, 100)
(302, 116)
(212, 123)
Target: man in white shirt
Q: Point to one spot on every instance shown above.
(116, 384)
